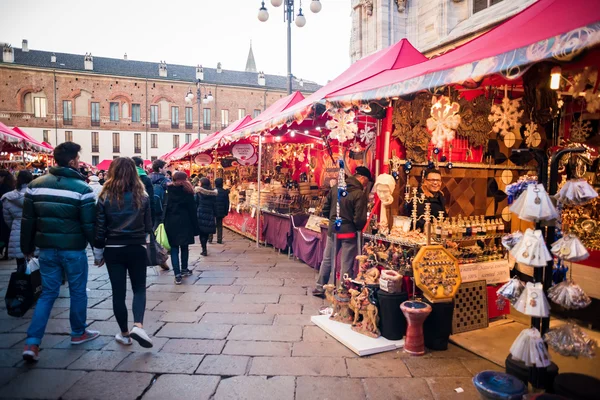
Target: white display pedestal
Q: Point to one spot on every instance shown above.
(358, 343)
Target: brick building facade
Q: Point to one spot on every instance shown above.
(114, 107)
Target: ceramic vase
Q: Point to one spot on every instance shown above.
(416, 312)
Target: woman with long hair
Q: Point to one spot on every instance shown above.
(12, 208)
(122, 222)
(206, 201)
(180, 221)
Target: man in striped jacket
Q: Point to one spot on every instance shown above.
(59, 213)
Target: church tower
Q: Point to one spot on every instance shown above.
(250, 63)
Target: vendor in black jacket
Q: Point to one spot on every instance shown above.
(353, 215)
(432, 188)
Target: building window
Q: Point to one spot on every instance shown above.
(95, 160)
(480, 5)
(67, 112)
(114, 111)
(188, 137)
(116, 143)
(95, 114)
(68, 136)
(137, 143)
(224, 118)
(39, 107)
(206, 124)
(189, 118)
(256, 113)
(174, 117)
(46, 136)
(154, 141)
(136, 113)
(154, 116)
(175, 141)
(153, 158)
(95, 142)
(241, 113)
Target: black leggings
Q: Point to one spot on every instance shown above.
(119, 262)
(204, 240)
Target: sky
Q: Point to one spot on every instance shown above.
(187, 32)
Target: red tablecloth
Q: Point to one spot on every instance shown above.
(242, 223)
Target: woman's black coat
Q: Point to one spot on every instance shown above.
(180, 216)
(206, 200)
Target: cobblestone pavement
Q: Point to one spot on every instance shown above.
(239, 328)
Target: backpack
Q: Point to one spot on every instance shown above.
(159, 196)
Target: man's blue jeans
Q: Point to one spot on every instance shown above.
(52, 264)
(185, 254)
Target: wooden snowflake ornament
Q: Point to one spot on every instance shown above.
(505, 117)
(342, 126)
(580, 130)
(444, 120)
(532, 136)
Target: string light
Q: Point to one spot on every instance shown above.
(293, 133)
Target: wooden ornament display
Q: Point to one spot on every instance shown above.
(470, 307)
(436, 273)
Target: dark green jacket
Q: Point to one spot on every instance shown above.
(59, 212)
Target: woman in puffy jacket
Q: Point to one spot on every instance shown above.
(123, 221)
(206, 200)
(181, 223)
(12, 210)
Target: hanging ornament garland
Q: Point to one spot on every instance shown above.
(532, 136)
(342, 126)
(474, 122)
(367, 135)
(505, 117)
(580, 130)
(410, 126)
(444, 120)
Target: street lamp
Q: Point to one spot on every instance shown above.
(288, 16)
(207, 97)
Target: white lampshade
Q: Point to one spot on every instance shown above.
(210, 96)
(300, 20)
(276, 3)
(315, 6)
(190, 95)
(263, 14)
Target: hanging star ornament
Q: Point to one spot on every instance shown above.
(443, 121)
(367, 134)
(532, 136)
(342, 126)
(580, 130)
(505, 116)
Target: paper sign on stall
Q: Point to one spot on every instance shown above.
(242, 151)
(253, 212)
(492, 272)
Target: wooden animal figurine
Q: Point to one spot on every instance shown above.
(340, 301)
(366, 315)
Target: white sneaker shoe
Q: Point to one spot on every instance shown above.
(124, 340)
(140, 336)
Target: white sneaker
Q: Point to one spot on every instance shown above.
(140, 336)
(124, 340)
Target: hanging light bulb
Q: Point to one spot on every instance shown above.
(210, 96)
(555, 75)
(276, 3)
(293, 133)
(300, 19)
(277, 138)
(315, 6)
(263, 14)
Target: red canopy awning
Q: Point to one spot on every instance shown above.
(399, 55)
(548, 29)
(32, 143)
(213, 140)
(104, 165)
(181, 151)
(11, 140)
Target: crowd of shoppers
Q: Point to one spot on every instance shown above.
(57, 216)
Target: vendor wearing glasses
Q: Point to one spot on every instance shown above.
(432, 188)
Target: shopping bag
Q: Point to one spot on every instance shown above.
(161, 237)
(22, 292)
(155, 253)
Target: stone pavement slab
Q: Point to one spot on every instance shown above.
(232, 308)
(315, 334)
(443, 388)
(92, 314)
(99, 360)
(162, 296)
(7, 374)
(293, 319)
(157, 345)
(307, 300)
(256, 388)
(259, 282)
(183, 386)
(266, 333)
(368, 368)
(274, 290)
(298, 366)
(191, 346)
(280, 309)
(225, 289)
(164, 363)
(256, 298)
(177, 306)
(215, 281)
(238, 319)
(223, 365)
(476, 366)
(207, 297)
(252, 348)
(311, 388)
(228, 274)
(177, 289)
(429, 367)
(55, 358)
(194, 331)
(7, 340)
(102, 385)
(398, 389)
(95, 344)
(41, 384)
(321, 349)
(181, 316)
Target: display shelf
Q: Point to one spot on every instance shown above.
(485, 237)
(402, 242)
(468, 165)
